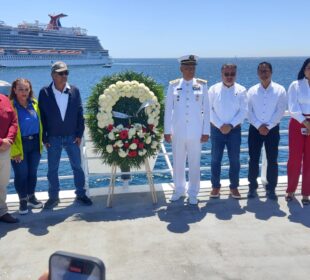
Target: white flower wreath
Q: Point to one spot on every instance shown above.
(127, 89)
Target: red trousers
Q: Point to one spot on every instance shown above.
(299, 157)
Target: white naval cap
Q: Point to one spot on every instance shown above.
(188, 59)
(5, 87)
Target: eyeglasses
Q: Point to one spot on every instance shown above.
(231, 74)
(64, 73)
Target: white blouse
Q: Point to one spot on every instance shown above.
(299, 99)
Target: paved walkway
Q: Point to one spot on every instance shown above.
(219, 239)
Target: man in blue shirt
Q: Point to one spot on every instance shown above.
(63, 127)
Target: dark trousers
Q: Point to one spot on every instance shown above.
(271, 142)
(25, 172)
(232, 141)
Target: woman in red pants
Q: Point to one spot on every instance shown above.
(299, 134)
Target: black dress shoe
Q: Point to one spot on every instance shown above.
(84, 200)
(252, 193)
(7, 218)
(271, 195)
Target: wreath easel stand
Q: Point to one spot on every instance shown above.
(149, 175)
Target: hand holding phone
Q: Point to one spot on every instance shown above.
(70, 266)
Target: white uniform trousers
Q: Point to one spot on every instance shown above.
(183, 149)
(5, 169)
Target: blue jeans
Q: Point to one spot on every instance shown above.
(232, 141)
(25, 179)
(57, 143)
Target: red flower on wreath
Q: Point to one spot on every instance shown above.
(140, 145)
(132, 153)
(123, 134)
(110, 127)
(151, 127)
(126, 145)
(135, 141)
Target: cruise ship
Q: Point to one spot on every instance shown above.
(35, 44)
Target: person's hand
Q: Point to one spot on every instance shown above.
(17, 158)
(167, 138)
(204, 138)
(263, 130)
(307, 125)
(77, 141)
(44, 276)
(226, 128)
(6, 144)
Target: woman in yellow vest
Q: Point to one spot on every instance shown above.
(27, 148)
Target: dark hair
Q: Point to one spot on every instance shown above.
(229, 65)
(14, 84)
(265, 63)
(301, 73)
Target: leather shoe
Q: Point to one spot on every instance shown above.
(252, 193)
(215, 193)
(7, 218)
(235, 193)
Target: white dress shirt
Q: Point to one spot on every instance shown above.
(227, 104)
(61, 99)
(187, 109)
(266, 106)
(299, 99)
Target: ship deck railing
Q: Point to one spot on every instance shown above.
(93, 166)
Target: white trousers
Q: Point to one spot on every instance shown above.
(5, 169)
(189, 149)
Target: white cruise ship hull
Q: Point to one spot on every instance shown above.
(16, 61)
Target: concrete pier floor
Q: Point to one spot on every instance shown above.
(218, 239)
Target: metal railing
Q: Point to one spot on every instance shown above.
(85, 158)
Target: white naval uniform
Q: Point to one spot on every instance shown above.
(187, 118)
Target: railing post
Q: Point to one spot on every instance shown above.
(263, 175)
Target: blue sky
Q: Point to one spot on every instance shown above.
(171, 28)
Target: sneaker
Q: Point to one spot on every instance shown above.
(23, 207)
(177, 196)
(8, 218)
(51, 203)
(193, 200)
(215, 193)
(34, 203)
(235, 193)
(85, 200)
(252, 193)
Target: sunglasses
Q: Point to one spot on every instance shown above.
(64, 73)
(231, 74)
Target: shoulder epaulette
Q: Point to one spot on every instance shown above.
(174, 81)
(202, 81)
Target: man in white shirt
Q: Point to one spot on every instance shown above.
(266, 106)
(187, 124)
(227, 112)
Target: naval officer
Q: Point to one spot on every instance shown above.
(186, 126)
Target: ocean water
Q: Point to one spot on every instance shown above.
(285, 70)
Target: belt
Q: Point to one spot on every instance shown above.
(30, 137)
(237, 126)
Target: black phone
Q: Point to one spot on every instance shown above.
(70, 266)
